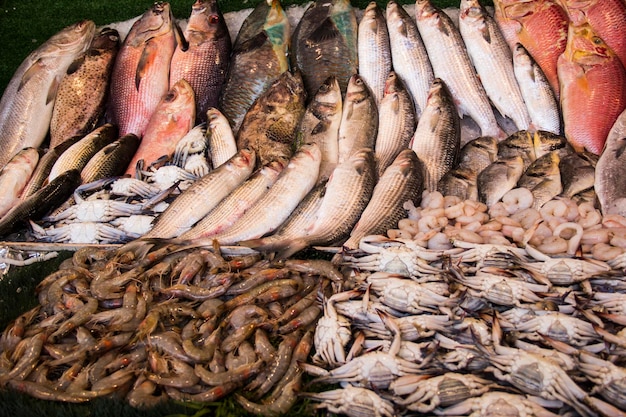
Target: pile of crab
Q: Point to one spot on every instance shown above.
(120, 209)
(472, 328)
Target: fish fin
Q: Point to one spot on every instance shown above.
(74, 66)
(321, 127)
(327, 30)
(52, 91)
(434, 121)
(619, 151)
(291, 247)
(484, 31)
(145, 61)
(442, 27)
(180, 37)
(30, 73)
(252, 44)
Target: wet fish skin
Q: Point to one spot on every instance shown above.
(320, 124)
(545, 166)
(79, 154)
(460, 182)
(259, 56)
(498, 178)
(577, 173)
(374, 49)
(140, 75)
(409, 56)
(14, 177)
(275, 206)
(233, 206)
(221, 139)
(520, 143)
(27, 101)
(544, 142)
(81, 98)
(111, 160)
(542, 105)
(204, 64)
(269, 127)
(610, 173)
(437, 139)
(41, 202)
(324, 43)
(540, 26)
(593, 89)
(402, 181)
(359, 119)
(173, 117)
(396, 122)
(203, 195)
(452, 64)
(493, 61)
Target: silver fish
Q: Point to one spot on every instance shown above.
(396, 122)
(320, 124)
(610, 179)
(437, 139)
(231, 208)
(14, 177)
(498, 178)
(79, 154)
(493, 61)
(402, 181)
(542, 105)
(374, 49)
(221, 139)
(275, 206)
(27, 102)
(203, 195)
(409, 56)
(452, 63)
(359, 119)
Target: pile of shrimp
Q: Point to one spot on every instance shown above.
(561, 227)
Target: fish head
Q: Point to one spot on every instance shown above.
(207, 19)
(309, 151)
(581, 5)
(155, 21)
(245, 158)
(585, 47)
(358, 90)
(329, 94)
(372, 17)
(470, 9)
(363, 161)
(424, 10)
(181, 93)
(74, 39)
(215, 118)
(108, 39)
(516, 9)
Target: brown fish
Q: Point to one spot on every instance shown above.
(204, 63)
(82, 94)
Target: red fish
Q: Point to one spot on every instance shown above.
(593, 88)
(540, 26)
(606, 17)
(141, 72)
(172, 119)
(204, 64)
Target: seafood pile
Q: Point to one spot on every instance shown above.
(152, 322)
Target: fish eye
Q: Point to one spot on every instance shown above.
(214, 19)
(596, 40)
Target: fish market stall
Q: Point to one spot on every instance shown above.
(376, 210)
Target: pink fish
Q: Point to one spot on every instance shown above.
(141, 73)
(172, 119)
(593, 88)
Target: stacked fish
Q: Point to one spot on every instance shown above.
(153, 322)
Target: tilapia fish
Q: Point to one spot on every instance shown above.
(259, 56)
(41, 202)
(409, 56)
(111, 160)
(606, 17)
(520, 144)
(498, 178)
(451, 63)
(359, 119)
(493, 61)
(77, 155)
(347, 193)
(269, 126)
(275, 206)
(542, 105)
(82, 94)
(204, 63)
(231, 208)
(540, 26)
(320, 124)
(610, 176)
(203, 195)
(402, 181)
(593, 89)
(141, 72)
(577, 173)
(324, 43)
(396, 122)
(14, 177)
(374, 49)
(437, 139)
(171, 120)
(27, 102)
(543, 178)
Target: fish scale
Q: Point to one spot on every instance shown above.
(452, 64)
(374, 50)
